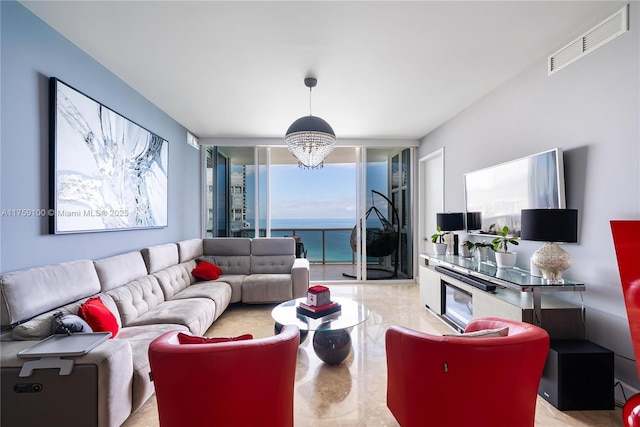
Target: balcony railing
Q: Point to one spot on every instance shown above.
(323, 245)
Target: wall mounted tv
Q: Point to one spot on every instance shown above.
(500, 192)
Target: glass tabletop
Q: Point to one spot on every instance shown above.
(351, 314)
(515, 278)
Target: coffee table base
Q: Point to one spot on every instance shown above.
(332, 347)
(277, 327)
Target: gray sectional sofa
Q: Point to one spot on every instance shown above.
(150, 292)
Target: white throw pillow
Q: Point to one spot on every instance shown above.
(484, 333)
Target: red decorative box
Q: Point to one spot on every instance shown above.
(318, 295)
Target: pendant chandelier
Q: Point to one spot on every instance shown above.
(310, 139)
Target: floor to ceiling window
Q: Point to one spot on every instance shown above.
(320, 207)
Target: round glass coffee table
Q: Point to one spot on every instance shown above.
(331, 338)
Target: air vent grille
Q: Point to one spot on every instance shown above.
(602, 33)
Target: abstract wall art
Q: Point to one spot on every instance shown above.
(106, 172)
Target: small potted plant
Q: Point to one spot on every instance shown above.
(437, 238)
(466, 249)
(504, 258)
(478, 249)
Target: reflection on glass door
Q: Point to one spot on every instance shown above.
(387, 227)
(216, 206)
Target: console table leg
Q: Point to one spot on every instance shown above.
(537, 308)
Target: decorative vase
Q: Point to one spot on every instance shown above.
(440, 248)
(506, 259)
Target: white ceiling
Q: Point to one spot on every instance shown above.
(385, 69)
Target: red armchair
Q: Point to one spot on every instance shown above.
(235, 383)
(456, 381)
(626, 239)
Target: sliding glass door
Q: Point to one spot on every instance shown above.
(351, 217)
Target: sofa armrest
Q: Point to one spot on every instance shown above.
(300, 277)
(114, 363)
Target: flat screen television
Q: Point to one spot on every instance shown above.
(500, 192)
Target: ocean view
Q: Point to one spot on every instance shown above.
(337, 235)
(337, 246)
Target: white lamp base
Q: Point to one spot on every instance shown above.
(552, 261)
(449, 240)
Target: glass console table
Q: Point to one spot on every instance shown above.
(515, 278)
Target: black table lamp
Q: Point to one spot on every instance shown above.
(451, 221)
(474, 221)
(550, 226)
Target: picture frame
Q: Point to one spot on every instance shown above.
(107, 173)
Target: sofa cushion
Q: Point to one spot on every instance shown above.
(137, 298)
(39, 327)
(160, 256)
(197, 314)
(98, 316)
(206, 271)
(139, 338)
(235, 281)
(120, 269)
(266, 288)
(22, 291)
(190, 249)
(229, 264)
(219, 292)
(272, 255)
(175, 278)
(231, 254)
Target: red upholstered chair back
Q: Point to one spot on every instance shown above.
(236, 383)
(452, 381)
(626, 239)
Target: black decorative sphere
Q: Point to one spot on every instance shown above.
(332, 347)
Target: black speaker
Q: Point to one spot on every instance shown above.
(578, 376)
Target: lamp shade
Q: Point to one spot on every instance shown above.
(474, 221)
(450, 221)
(550, 225)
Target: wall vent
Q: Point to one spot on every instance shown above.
(192, 140)
(602, 33)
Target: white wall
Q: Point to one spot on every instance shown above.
(591, 109)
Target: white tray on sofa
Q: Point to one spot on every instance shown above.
(51, 349)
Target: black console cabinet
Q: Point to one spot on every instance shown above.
(578, 376)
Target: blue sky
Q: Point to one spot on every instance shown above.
(327, 193)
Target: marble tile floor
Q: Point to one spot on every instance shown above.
(353, 393)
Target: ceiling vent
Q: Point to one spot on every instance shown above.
(602, 33)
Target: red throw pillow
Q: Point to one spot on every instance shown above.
(191, 339)
(98, 316)
(206, 271)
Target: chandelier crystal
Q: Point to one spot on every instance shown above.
(310, 139)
